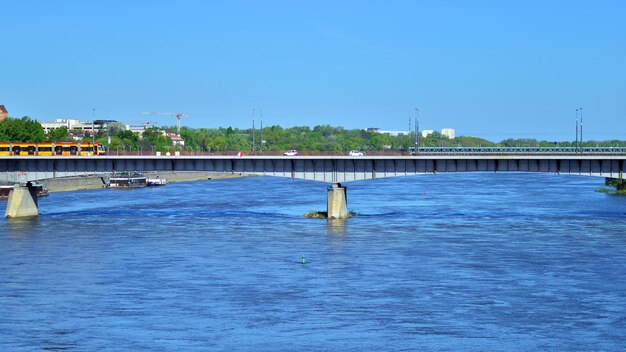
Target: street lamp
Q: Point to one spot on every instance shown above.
(417, 130)
(93, 122)
(581, 129)
(576, 145)
(253, 141)
(261, 145)
(108, 136)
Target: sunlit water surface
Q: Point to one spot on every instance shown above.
(474, 262)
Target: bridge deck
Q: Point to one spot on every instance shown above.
(317, 168)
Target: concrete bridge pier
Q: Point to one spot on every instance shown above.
(337, 204)
(22, 202)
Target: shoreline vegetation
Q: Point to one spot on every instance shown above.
(619, 186)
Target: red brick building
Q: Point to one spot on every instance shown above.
(3, 113)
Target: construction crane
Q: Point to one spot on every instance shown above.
(142, 122)
(178, 115)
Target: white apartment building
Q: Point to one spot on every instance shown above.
(70, 124)
(448, 132)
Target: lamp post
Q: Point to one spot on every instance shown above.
(417, 130)
(253, 141)
(581, 129)
(108, 136)
(93, 122)
(576, 145)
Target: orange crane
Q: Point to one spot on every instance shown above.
(178, 115)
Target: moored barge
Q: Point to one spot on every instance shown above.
(127, 182)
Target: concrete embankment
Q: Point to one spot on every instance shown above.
(94, 182)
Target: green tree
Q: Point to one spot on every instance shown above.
(619, 184)
(21, 130)
(155, 137)
(59, 134)
(115, 128)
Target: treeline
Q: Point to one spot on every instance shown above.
(317, 139)
(322, 138)
(337, 139)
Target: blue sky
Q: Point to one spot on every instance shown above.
(494, 69)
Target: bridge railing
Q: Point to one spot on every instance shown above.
(518, 150)
(421, 151)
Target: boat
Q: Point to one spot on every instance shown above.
(42, 190)
(127, 181)
(155, 182)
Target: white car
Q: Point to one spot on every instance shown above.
(291, 152)
(355, 153)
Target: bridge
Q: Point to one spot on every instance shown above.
(328, 169)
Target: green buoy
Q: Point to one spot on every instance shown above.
(303, 260)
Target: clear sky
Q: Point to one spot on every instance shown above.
(494, 69)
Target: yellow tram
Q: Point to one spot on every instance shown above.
(51, 149)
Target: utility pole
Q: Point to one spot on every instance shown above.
(581, 129)
(253, 141)
(417, 130)
(261, 143)
(93, 122)
(108, 136)
(576, 145)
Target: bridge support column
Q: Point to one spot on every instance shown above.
(22, 202)
(337, 204)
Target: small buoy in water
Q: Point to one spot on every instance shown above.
(303, 260)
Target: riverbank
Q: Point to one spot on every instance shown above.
(65, 184)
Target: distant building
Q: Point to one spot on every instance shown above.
(394, 133)
(58, 123)
(448, 132)
(139, 130)
(426, 133)
(175, 139)
(3, 113)
(71, 124)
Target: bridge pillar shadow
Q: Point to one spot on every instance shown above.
(337, 203)
(22, 202)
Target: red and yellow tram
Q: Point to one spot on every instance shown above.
(51, 148)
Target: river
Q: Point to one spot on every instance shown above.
(472, 262)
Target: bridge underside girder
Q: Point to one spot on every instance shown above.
(330, 170)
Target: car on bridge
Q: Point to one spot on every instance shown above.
(355, 153)
(291, 152)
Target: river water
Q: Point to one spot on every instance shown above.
(472, 262)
